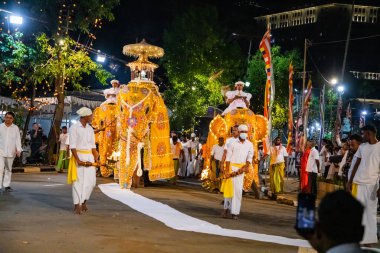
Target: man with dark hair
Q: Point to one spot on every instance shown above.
(339, 226)
(10, 146)
(364, 181)
(313, 167)
(277, 168)
(354, 142)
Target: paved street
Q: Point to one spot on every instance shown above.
(37, 217)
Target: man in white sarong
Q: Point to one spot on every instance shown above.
(237, 98)
(111, 93)
(82, 173)
(364, 182)
(239, 157)
(193, 148)
(10, 147)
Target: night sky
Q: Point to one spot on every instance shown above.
(136, 20)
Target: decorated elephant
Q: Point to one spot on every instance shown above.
(220, 127)
(143, 124)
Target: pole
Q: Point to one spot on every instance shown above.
(249, 50)
(304, 73)
(347, 42)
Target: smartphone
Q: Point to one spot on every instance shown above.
(305, 221)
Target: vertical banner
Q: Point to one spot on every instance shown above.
(265, 49)
(306, 113)
(322, 114)
(290, 114)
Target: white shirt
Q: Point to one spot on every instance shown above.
(111, 95)
(281, 154)
(240, 152)
(62, 140)
(217, 151)
(311, 161)
(237, 102)
(10, 140)
(345, 248)
(369, 168)
(229, 141)
(82, 138)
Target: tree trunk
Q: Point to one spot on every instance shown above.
(57, 119)
(30, 114)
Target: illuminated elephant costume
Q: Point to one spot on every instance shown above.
(220, 127)
(142, 121)
(105, 117)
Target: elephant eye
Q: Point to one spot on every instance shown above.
(147, 110)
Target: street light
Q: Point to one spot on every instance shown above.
(340, 88)
(247, 84)
(333, 81)
(17, 20)
(101, 58)
(364, 112)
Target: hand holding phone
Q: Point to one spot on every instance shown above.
(305, 221)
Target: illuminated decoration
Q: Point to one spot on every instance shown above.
(142, 122)
(220, 127)
(105, 119)
(142, 68)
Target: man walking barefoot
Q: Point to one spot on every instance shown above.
(82, 173)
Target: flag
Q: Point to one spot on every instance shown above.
(265, 49)
(322, 114)
(290, 114)
(306, 113)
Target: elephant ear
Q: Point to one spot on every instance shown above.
(218, 127)
(260, 125)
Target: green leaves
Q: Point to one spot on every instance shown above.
(198, 63)
(257, 77)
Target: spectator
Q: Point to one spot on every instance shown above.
(312, 167)
(339, 226)
(364, 181)
(36, 140)
(10, 146)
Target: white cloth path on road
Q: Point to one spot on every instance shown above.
(180, 221)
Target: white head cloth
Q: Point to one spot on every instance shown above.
(193, 135)
(239, 82)
(84, 111)
(114, 81)
(243, 128)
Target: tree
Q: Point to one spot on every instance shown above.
(66, 65)
(198, 62)
(17, 71)
(67, 61)
(257, 77)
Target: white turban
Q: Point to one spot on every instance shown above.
(243, 128)
(239, 82)
(84, 111)
(114, 81)
(193, 135)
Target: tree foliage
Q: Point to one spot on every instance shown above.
(257, 77)
(198, 62)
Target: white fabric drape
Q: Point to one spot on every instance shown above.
(180, 221)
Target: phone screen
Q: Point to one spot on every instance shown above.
(305, 222)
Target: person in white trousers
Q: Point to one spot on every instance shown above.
(82, 173)
(239, 157)
(10, 147)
